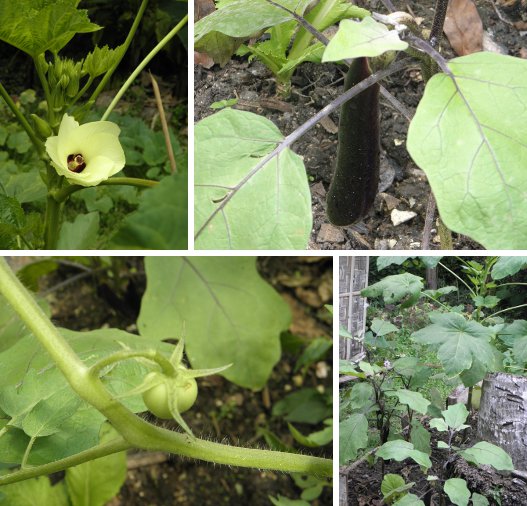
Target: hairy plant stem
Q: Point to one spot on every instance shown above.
(136, 431)
(62, 194)
(142, 65)
(22, 120)
(152, 355)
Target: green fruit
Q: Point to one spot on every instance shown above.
(156, 398)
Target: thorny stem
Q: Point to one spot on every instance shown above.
(142, 65)
(136, 431)
(301, 130)
(438, 23)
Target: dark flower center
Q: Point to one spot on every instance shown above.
(76, 163)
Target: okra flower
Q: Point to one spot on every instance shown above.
(86, 154)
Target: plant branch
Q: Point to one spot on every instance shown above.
(143, 64)
(125, 47)
(459, 278)
(301, 130)
(62, 194)
(503, 311)
(22, 120)
(119, 356)
(438, 23)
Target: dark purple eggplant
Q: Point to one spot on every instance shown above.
(356, 178)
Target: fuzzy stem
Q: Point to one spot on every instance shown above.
(142, 65)
(153, 355)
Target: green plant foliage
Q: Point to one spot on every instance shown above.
(225, 310)
(271, 208)
(315, 439)
(306, 405)
(353, 435)
(507, 266)
(393, 486)
(394, 288)
(42, 25)
(18, 494)
(414, 400)
(81, 233)
(486, 453)
(409, 500)
(401, 450)
(100, 60)
(457, 491)
(461, 343)
(466, 149)
(160, 221)
(367, 38)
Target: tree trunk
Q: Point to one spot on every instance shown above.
(431, 278)
(503, 415)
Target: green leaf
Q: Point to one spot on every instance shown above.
(442, 444)
(95, 482)
(271, 209)
(401, 450)
(393, 486)
(455, 416)
(353, 435)
(519, 350)
(474, 158)
(307, 405)
(395, 288)
(34, 492)
(361, 398)
(489, 301)
(313, 440)
(367, 38)
(440, 425)
(381, 327)
(420, 438)
(459, 341)
(81, 234)
(26, 187)
(409, 500)
(225, 310)
(406, 366)
(35, 26)
(414, 400)
(316, 350)
(486, 453)
(100, 60)
(479, 500)
(160, 222)
(507, 266)
(457, 491)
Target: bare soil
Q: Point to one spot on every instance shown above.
(403, 185)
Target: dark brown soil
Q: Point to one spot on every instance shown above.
(223, 412)
(314, 86)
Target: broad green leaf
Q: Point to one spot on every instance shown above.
(306, 405)
(361, 398)
(316, 350)
(459, 341)
(226, 311)
(457, 491)
(409, 500)
(381, 327)
(26, 187)
(353, 435)
(395, 288)
(486, 453)
(269, 209)
(489, 301)
(414, 400)
(440, 425)
(509, 333)
(160, 222)
(350, 368)
(442, 444)
(507, 266)
(383, 262)
(401, 450)
(420, 438)
(34, 492)
(393, 486)
(35, 26)
(444, 290)
(519, 350)
(479, 500)
(406, 366)
(95, 482)
(79, 234)
(468, 135)
(455, 416)
(367, 38)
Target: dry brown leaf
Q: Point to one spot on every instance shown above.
(203, 59)
(464, 27)
(203, 8)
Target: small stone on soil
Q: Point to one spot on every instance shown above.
(399, 217)
(390, 201)
(329, 233)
